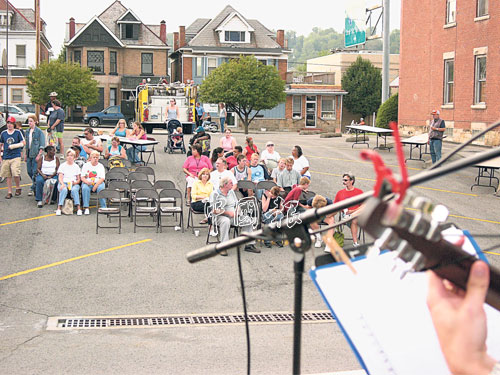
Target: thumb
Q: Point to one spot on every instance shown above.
(477, 285)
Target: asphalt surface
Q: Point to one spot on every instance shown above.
(153, 277)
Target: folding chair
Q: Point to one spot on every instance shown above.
(133, 176)
(150, 152)
(176, 209)
(148, 171)
(104, 162)
(146, 195)
(191, 215)
(164, 184)
(123, 188)
(123, 170)
(108, 211)
(114, 176)
(265, 185)
(361, 232)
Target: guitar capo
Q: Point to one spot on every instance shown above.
(384, 174)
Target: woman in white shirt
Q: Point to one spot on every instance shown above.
(69, 179)
(93, 174)
(301, 164)
(269, 156)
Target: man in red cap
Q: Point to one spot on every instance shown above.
(11, 143)
(436, 132)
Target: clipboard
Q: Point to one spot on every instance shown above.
(385, 319)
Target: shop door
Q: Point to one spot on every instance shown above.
(310, 111)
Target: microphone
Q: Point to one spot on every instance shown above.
(202, 253)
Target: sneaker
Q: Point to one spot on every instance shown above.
(355, 244)
(279, 243)
(267, 244)
(252, 249)
(79, 213)
(58, 212)
(30, 193)
(87, 211)
(318, 242)
(213, 233)
(39, 204)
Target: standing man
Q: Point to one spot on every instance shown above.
(48, 107)
(35, 143)
(56, 123)
(200, 112)
(436, 132)
(222, 116)
(350, 191)
(11, 143)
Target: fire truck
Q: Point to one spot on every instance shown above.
(152, 101)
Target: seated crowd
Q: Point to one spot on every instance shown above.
(231, 171)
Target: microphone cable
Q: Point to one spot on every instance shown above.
(245, 312)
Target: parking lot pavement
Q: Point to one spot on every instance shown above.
(57, 266)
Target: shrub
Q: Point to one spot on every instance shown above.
(387, 112)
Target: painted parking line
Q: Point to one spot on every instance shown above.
(31, 219)
(413, 187)
(491, 252)
(359, 161)
(13, 187)
(462, 217)
(72, 259)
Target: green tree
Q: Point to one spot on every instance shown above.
(246, 86)
(74, 85)
(62, 55)
(388, 112)
(394, 41)
(363, 82)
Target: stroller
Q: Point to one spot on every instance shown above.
(175, 140)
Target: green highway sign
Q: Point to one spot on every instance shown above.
(352, 34)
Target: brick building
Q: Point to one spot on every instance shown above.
(22, 50)
(450, 61)
(120, 49)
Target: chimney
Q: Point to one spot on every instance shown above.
(71, 28)
(280, 38)
(163, 32)
(182, 36)
(176, 41)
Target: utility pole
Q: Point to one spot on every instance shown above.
(7, 64)
(386, 47)
(37, 60)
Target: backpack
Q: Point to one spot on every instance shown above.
(115, 161)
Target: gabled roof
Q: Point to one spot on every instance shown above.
(95, 19)
(230, 17)
(113, 16)
(206, 32)
(129, 17)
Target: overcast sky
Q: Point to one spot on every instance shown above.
(293, 15)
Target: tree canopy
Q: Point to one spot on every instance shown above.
(363, 82)
(246, 86)
(74, 85)
(320, 41)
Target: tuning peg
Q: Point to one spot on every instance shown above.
(423, 204)
(440, 213)
(438, 217)
(414, 265)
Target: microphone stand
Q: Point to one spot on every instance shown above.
(297, 232)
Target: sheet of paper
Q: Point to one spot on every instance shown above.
(386, 319)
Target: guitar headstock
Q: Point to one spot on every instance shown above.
(416, 234)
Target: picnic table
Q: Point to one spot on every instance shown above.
(363, 129)
(487, 170)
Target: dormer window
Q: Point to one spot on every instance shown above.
(234, 36)
(129, 31)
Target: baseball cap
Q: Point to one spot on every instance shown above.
(53, 93)
(269, 143)
(435, 112)
(199, 129)
(11, 119)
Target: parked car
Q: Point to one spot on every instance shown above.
(108, 116)
(30, 109)
(20, 114)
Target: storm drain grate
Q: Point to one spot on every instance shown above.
(68, 323)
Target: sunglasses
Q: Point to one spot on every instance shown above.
(270, 145)
(345, 179)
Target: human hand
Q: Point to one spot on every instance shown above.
(460, 321)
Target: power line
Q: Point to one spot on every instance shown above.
(335, 65)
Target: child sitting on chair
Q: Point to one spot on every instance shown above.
(177, 140)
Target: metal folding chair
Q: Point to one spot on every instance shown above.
(109, 194)
(266, 185)
(114, 176)
(148, 171)
(152, 198)
(165, 207)
(123, 187)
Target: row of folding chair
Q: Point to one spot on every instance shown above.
(167, 202)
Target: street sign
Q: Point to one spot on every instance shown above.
(355, 23)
